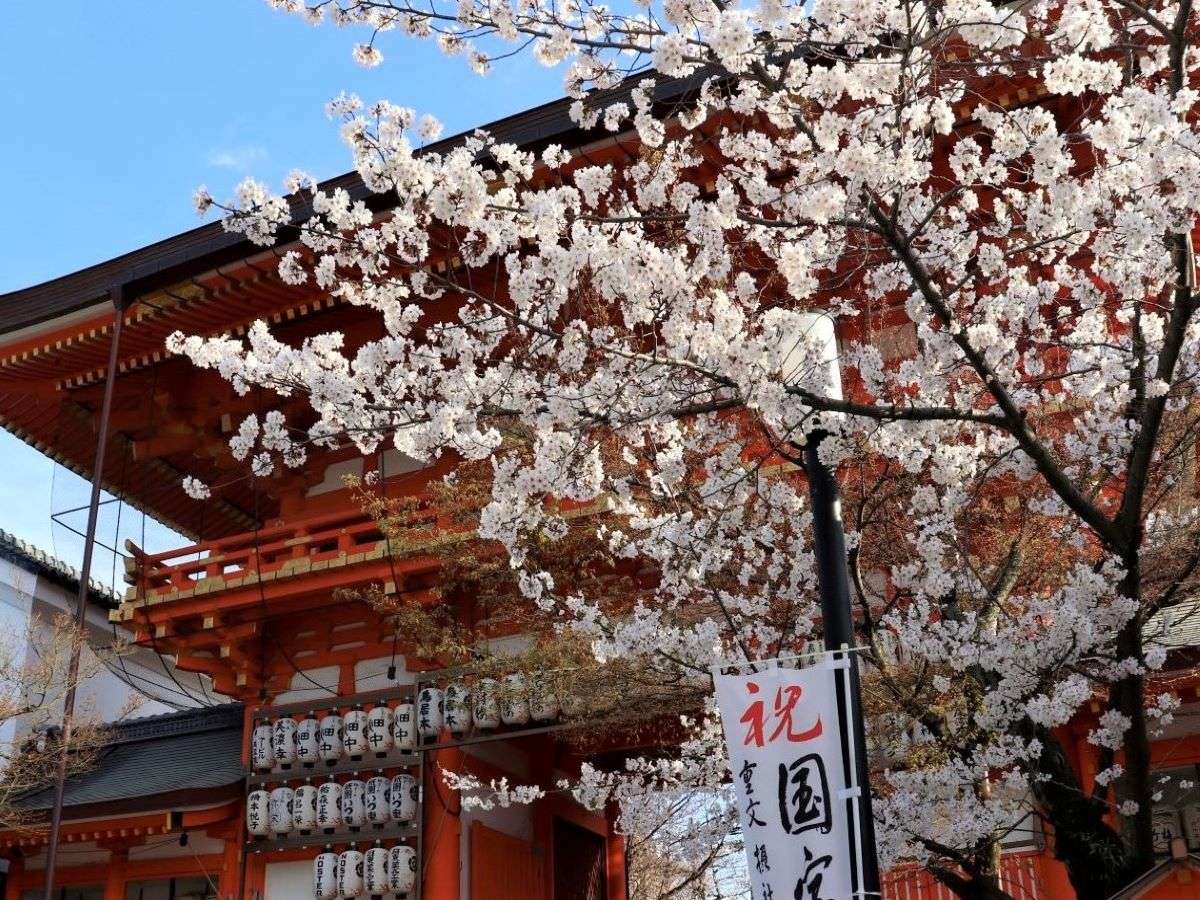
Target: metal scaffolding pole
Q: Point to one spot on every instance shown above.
(117, 295)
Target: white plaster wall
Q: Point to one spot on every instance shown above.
(16, 600)
(289, 880)
(29, 605)
(334, 477)
(107, 693)
(311, 684)
(372, 674)
(321, 683)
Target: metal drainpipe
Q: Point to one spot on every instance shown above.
(117, 295)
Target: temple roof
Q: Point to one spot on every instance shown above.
(170, 419)
(169, 760)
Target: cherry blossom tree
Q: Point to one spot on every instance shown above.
(34, 666)
(996, 204)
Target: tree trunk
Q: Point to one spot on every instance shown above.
(1128, 696)
(1098, 861)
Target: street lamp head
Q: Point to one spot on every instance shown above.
(812, 354)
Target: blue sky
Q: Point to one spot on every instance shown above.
(116, 111)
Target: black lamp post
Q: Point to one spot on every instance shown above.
(829, 545)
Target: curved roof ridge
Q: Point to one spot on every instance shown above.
(33, 558)
(186, 721)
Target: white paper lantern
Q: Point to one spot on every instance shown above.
(402, 869)
(403, 797)
(284, 741)
(404, 726)
(280, 810)
(430, 712)
(375, 876)
(1166, 827)
(379, 729)
(262, 747)
(354, 803)
(458, 708)
(543, 702)
(258, 813)
(331, 738)
(379, 791)
(1191, 824)
(514, 704)
(350, 873)
(329, 806)
(487, 703)
(308, 740)
(304, 808)
(325, 866)
(354, 733)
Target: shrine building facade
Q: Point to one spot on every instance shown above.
(318, 732)
(259, 607)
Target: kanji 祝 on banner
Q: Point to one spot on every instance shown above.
(785, 747)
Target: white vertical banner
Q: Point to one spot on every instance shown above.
(785, 741)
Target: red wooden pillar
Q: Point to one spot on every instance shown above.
(543, 843)
(442, 838)
(346, 680)
(256, 875)
(114, 884)
(614, 845)
(541, 753)
(247, 732)
(1055, 880)
(231, 858)
(16, 871)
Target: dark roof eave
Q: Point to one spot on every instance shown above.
(165, 801)
(180, 758)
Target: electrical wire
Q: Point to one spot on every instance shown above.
(212, 884)
(149, 687)
(142, 581)
(168, 669)
(124, 676)
(262, 593)
(113, 583)
(387, 537)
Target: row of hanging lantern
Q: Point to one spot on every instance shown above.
(357, 803)
(485, 706)
(378, 872)
(286, 742)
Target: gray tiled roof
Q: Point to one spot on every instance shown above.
(1176, 627)
(39, 562)
(195, 750)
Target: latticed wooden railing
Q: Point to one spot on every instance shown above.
(280, 551)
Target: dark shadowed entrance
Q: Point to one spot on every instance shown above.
(579, 872)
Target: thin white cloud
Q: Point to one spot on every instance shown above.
(238, 158)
